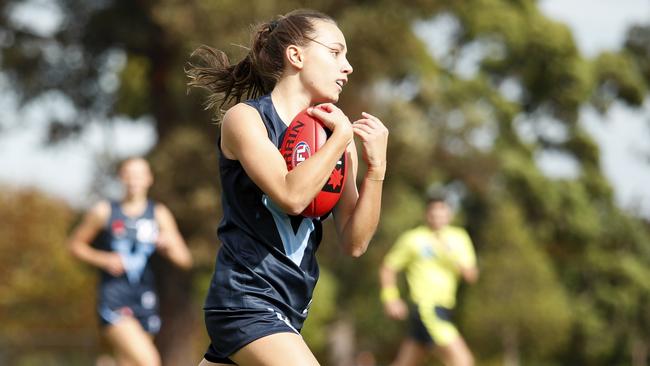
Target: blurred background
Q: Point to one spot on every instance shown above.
(534, 114)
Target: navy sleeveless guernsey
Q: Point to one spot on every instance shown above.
(132, 293)
(266, 268)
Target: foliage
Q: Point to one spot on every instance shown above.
(321, 312)
(46, 298)
(525, 304)
(474, 115)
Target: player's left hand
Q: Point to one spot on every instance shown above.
(374, 140)
(396, 309)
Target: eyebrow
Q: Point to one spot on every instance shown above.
(339, 44)
(330, 47)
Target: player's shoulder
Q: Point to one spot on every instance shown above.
(161, 211)
(241, 107)
(159, 207)
(456, 231)
(415, 234)
(240, 114)
(100, 211)
(240, 126)
(420, 230)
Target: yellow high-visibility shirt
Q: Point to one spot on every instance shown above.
(432, 261)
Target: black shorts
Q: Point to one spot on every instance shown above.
(232, 329)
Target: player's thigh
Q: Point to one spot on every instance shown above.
(440, 328)
(279, 349)
(456, 353)
(132, 343)
(205, 362)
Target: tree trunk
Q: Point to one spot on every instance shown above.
(341, 343)
(176, 341)
(510, 347)
(639, 351)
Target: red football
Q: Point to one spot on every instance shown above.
(304, 136)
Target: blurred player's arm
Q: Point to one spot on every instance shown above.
(399, 257)
(394, 306)
(170, 242)
(467, 265)
(81, 237)
(461, 264)
(469, 274)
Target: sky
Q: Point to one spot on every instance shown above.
(623, 134)
(68, 170)
(597, 24)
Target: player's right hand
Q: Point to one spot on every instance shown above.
(113, 264)
(333, 118)
(396, 309)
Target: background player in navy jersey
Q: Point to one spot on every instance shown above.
(126, 234)
(266, 268)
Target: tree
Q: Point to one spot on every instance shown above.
(519, 308)
(479, 129)
(39, 277)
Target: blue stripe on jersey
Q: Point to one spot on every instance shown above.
(135, 243)
(294, 243)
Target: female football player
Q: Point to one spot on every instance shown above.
(266, 267)
(126, 234)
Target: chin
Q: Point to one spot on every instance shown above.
(333, 98)
(326, 96)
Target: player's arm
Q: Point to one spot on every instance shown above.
(81, 237)
(244, 138)
(394, 306)
(357, 213)
(469, 274)
(467, 266)
(400, 256)
(170, 242)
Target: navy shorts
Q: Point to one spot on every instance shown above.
(141, 305)
(149, 320)
(431, 325)
(232, 329)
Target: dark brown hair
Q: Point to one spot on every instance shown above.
(258, 72)
(436, 194)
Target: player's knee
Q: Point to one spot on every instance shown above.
(469, 361)
(148, 359)
(150, 362)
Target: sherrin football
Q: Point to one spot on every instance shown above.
(303, 138)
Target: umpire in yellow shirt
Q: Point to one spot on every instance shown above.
(434, 256)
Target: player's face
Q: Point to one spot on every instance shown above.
(438, 215)
(136, 177)
(326, 67)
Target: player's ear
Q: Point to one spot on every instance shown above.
(295, 56)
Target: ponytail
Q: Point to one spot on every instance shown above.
(262, 67)
(226, 84)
